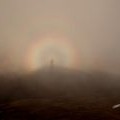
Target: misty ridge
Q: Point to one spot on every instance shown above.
(59, 93)
(58, 82)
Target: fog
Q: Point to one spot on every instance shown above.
(93, 26)
(59, 59)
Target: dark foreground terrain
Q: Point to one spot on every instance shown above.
(59, 94)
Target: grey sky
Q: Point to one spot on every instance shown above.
(93, 26)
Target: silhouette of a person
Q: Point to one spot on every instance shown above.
(52, 63)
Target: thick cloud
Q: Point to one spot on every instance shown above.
(92, 25)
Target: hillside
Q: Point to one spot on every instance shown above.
(59, 94)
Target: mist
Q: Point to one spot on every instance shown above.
(59, 59)
(92, 26)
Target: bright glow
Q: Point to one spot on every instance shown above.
(56, 48)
